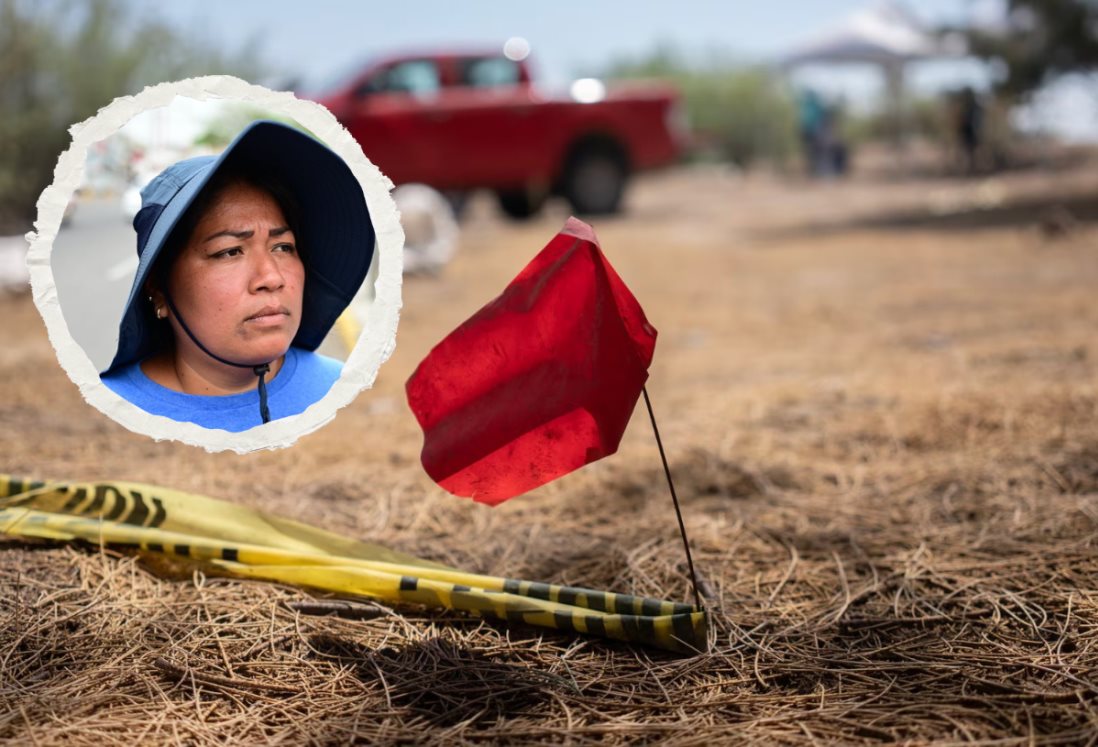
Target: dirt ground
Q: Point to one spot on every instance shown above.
(879, 400)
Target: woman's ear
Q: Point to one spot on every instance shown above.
(156, 300)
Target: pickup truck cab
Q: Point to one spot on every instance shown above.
(465, 121)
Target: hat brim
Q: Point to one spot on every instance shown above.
(337, 234)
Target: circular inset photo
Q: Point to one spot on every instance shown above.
(218, 264)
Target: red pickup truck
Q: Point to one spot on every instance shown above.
(464, 121)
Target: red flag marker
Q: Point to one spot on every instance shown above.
(540, 381)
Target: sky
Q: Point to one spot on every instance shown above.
(568, 37)
(316, 39)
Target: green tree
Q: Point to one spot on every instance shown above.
(1041, 40)
(60, 61)
(743, 113)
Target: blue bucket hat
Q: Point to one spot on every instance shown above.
(335, 230)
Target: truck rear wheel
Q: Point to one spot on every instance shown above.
(594, 180)
(521, 204)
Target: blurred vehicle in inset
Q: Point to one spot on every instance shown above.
(70, 207)
(130, 200)
(465, 121)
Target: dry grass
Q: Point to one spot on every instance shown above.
(886, 443)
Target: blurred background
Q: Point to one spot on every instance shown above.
(824, 112)
(806, 86)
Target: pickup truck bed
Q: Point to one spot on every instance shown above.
(466, 121)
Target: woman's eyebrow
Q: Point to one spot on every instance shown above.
(234, 234)
(277, 231)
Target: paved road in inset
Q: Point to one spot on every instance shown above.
(94, 259)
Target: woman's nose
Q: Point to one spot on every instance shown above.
(266, 272)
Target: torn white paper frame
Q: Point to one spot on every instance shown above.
(378, 337)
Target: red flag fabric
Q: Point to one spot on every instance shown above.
(540, 381)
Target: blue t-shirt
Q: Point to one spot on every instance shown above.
(303, 379)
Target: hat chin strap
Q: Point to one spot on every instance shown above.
(260, 370)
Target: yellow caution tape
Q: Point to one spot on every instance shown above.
(237, 541)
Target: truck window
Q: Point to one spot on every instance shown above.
(487, 72)
(417, 77)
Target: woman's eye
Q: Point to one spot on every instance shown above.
(285, 247)
(230, 252)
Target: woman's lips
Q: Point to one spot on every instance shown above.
(270, 316)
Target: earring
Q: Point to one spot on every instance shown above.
(160, 312)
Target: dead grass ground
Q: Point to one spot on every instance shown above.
(880, 406)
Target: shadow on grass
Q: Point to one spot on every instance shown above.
(441, 681)
(1053, 215)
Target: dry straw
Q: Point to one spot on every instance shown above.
(885, 444)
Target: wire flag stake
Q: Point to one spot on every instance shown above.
(675, 500)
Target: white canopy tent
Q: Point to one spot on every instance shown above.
(884, 34)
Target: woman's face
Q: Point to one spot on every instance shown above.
(238, 282)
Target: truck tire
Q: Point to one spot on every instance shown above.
(520, 204)
(594, 180)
